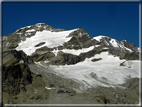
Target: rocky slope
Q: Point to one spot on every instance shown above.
(44, 65)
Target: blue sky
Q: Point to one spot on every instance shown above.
(116, 20)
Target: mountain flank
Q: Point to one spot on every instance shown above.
(45, 65)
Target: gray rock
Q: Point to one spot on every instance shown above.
(43, 57)
(40, 44)
(63, 92)
(64, 58)
(96, 59)
(13, 57)
(122, 64)
(130, 56)
(14, 75)
(129, 45)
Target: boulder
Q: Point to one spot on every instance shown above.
(96, 59)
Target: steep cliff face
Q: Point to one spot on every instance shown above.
(40, 59)
(15, 71)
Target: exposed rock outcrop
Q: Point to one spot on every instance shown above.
(16, 73)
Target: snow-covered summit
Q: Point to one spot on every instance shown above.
(100, 37)
(50, 39)
(110, 42)
(42, 36)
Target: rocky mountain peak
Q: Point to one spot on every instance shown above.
(44, 64)
(59, 39)
(37, 27)
(130, 45)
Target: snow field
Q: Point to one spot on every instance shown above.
(51, 39)
(73, 51)
(32, 30)
(106, 72)
(113, 42)
(98, 38)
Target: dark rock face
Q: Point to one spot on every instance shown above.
(62, 92)
(13, 57)
(122, 64)
(80, 39)
(64, 58)
(14, 76)
(130, 56)
(122, 48)
(11, 41)
(91, 53)
(15, 71)
(96, 59)
(43, 57)
(129, 45)
(42, 50)
(40, 44)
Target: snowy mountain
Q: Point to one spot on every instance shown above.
(73, 59)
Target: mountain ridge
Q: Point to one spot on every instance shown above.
(74, 39)
(68, 63)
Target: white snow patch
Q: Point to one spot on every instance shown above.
(39, 63)
(46, 61)
(25, 27)
(48, 88)
(97, 45)
(106, 43)
(35, 90)
(105, 48)
(73, 51)
(114, 43)
(51, 39)
(26, 34)
(106, 56)
(45, 27)
(101, 73)
(7, 44)
(128, 49)
(40, 23)
(80, 34)
(19, 33)
(32, 30)
(98, 38)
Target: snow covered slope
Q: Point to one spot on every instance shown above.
(106, 72)
(68, 65)
(73, 51)
(112, 42)
(48, 46)
(51, 39)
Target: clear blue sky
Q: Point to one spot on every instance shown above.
(116, 20)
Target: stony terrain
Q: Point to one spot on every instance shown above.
(35, 70)
(51, 89)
